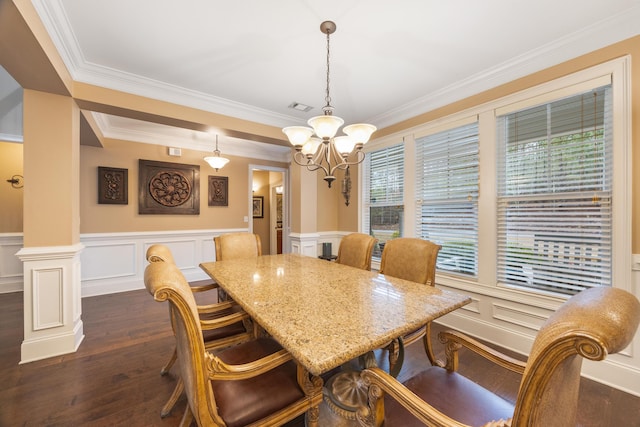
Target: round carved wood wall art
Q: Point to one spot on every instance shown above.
(170, 188)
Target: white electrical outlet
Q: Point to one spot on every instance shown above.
(174, 151)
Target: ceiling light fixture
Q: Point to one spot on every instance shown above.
(317, 147)
(216, 161)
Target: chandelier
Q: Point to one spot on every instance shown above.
(216, 161)
(317, 147)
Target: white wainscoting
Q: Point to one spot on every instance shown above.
(304, 243)
(11, 275)
(115, 262)
(310, 244)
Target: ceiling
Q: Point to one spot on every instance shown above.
(389, 60)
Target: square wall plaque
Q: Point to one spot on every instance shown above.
(168, 188)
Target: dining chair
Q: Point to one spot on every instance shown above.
(355, 250)
(223, 324)
(255, 383)
(590, 325)
(411, 259)
(237, 245)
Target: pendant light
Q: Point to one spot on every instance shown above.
(216, 161)
(317, 147)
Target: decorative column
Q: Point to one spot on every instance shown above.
(304, 210)
(51, 252)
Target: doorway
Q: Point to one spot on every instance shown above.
(269, 207)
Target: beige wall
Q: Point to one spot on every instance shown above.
(11, 160)
(102, 218)
(348, 215)
(327, 209)
(51, 212)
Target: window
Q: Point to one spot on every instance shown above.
(447, 196)
(555, 194)
(528, 194)
(383, 191)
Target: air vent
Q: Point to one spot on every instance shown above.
(300, 107)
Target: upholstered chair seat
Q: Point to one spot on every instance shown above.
(243, 402)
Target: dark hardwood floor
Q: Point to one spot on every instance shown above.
(114, 378)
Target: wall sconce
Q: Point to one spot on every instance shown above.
(16, 181)
(346, 186)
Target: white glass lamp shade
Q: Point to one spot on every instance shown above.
(360, 132)
(216, 161)
(344, 144)
(298, 135)
(325, 126)
(311, 146)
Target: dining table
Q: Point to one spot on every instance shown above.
(324, 313)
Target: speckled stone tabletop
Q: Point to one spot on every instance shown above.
(325, 313)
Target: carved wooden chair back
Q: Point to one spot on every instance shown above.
(415, 260)
(410, 259)
(237, 245)
(255, 383)
(592, 324)
(223, 324)
(159, 253)
(355, 250)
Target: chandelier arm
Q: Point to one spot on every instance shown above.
(311, 165)
(319, 157)
(343, 164)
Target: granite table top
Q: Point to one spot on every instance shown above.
(326, 314)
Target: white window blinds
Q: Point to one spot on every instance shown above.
(447, 196)
(554, 194)
(383, 191)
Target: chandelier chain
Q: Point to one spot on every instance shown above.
(328, 96)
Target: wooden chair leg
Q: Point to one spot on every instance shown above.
(396, 356)
(165, 369)
(177, 391)
(187, 417)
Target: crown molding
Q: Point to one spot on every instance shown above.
(168, 136)
(598, 35)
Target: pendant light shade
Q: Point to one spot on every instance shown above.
(216, 161)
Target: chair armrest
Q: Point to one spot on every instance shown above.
(216, 307)
(381, 382)
(223, 321)
(453, 340)
(202, 288)
(218, 370)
